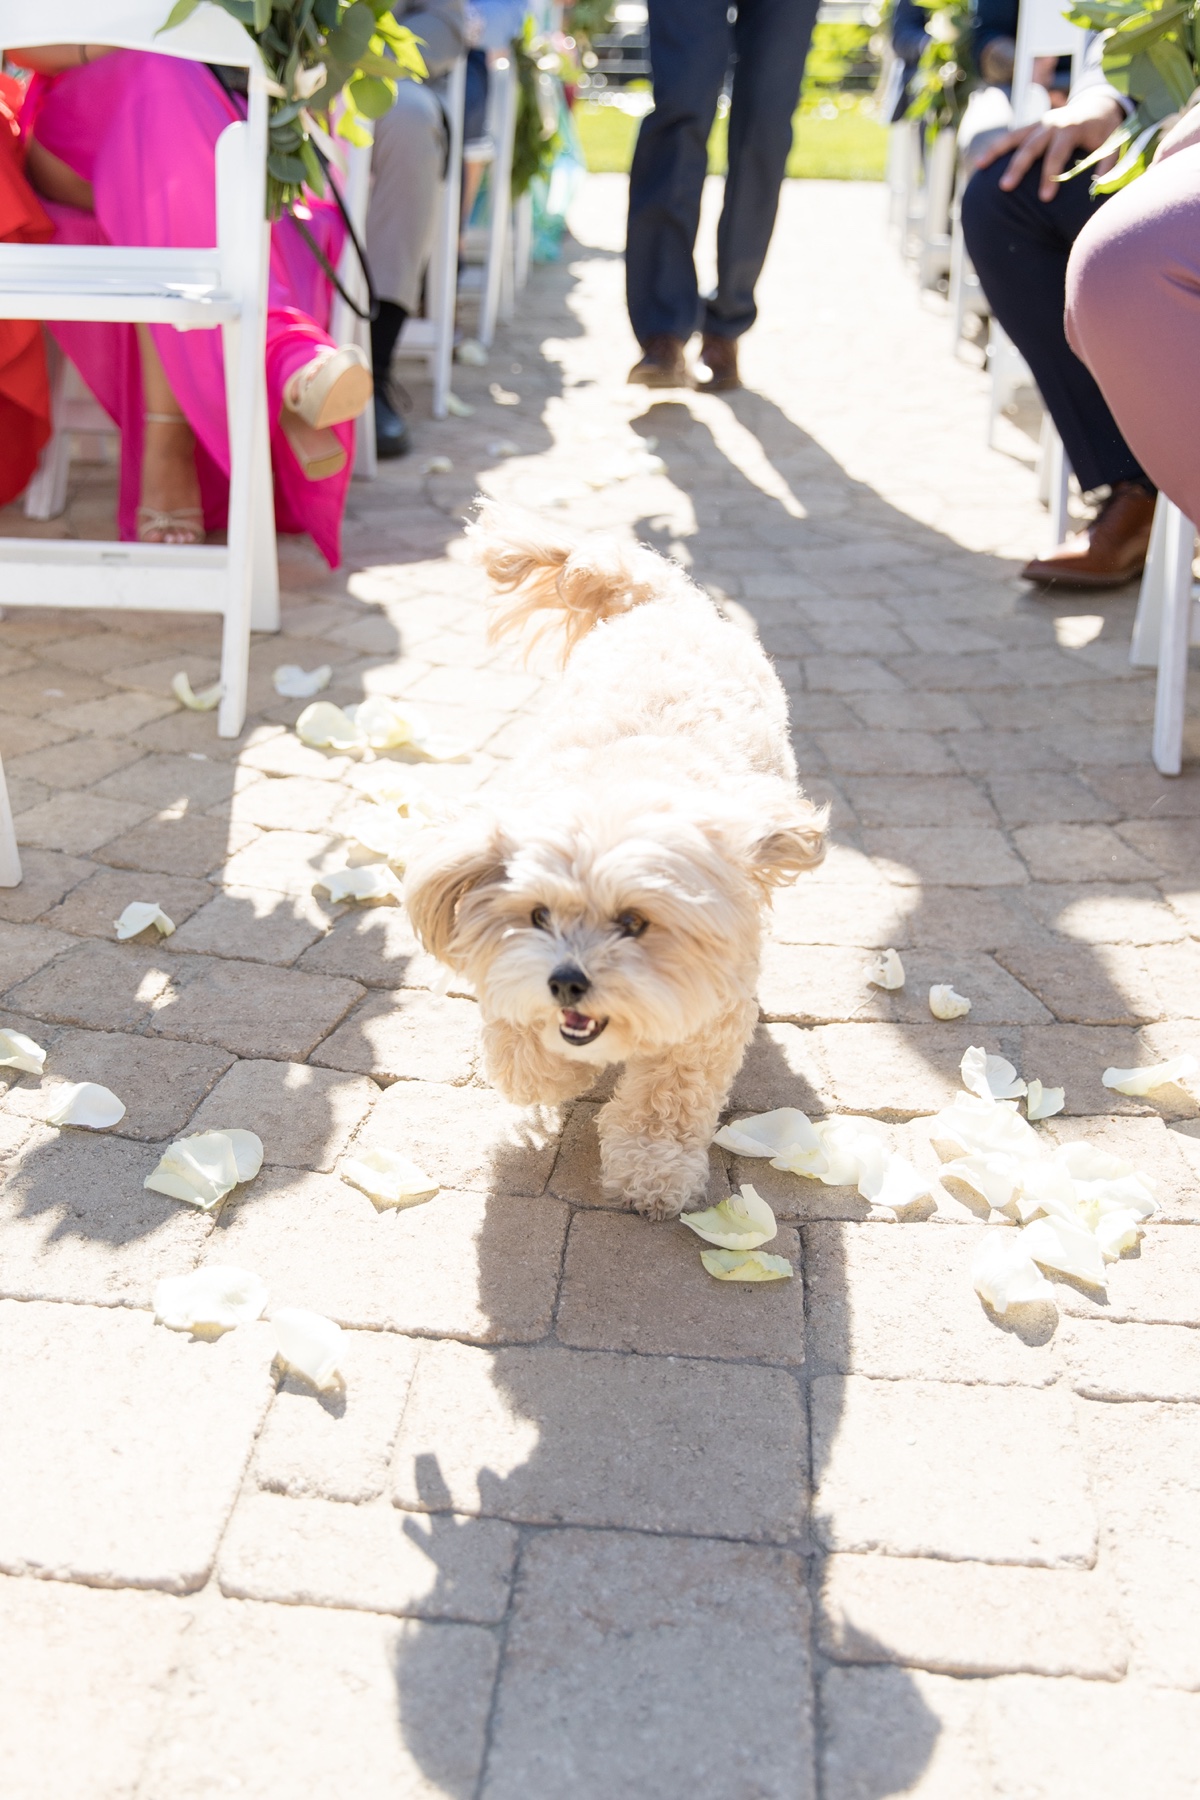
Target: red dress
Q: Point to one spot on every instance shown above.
(24, 390)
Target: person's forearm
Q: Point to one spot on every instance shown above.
(53, 59)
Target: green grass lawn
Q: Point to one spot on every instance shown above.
(849, 146)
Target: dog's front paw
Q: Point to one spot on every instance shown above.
(657, 1176)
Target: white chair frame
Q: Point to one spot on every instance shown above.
(202, 289)
(1167, 623)
(499, 274)
(433, 336)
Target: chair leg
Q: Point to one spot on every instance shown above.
(1170, 700)
(1147, 625)
(46, 495)
(444, 265)
(10, 859)
(500, 178)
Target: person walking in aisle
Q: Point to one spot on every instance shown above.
(692, 44)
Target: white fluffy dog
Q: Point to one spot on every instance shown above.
(608, 903)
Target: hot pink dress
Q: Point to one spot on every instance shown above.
(143, 130)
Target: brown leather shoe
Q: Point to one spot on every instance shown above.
(719, 356)
(661, 363)
(1112, 549)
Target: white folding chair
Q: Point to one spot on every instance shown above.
(1041, 31)
(345, 325)
(433, 336)
(192, 290)
(1167, 623)
(933, 255)
(498, 273)
(74, 414)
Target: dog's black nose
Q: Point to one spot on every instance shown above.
(568, 984)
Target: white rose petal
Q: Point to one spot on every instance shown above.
(777, 1133)
(181, 687)
(888, 971)
(458, 409)
(991, 1077)
(503, 447)
(373, 882)
(1144, 1081)
(901, 1186)
(20, 1052)
(389, 1178)
(1003, 1272)
(216, 1297)
(325, 726)
(978, 1125)
(203, 1168)
(383, 723)
(385, 833)
(437, 465)
(140, 914)
(1117, 1231)
(473, 353)
(944, 1003)
(295, 683)
(742, 1222)
(746, 1265)
(1043, 1102)
(87, 1103)
(309, 1344)
(1067, 1246)
(995, 1176)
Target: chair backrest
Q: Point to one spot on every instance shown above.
(1042, 30)
(210, 34)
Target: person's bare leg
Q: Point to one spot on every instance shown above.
(170, 511)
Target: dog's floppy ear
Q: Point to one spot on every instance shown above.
(791, 846)
(446, 865)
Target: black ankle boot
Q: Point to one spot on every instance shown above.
(392, 436)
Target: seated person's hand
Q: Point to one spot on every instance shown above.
(1183, 130)
(1081, 125)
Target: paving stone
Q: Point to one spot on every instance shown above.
(77, 1224)
(23, 692)
(174, 784)
(1093, 984)
(251, 1009)
(780, 1069)
(981, 1474)
(859, 914)
(895, 1070)
(304, 1116)
(1080, 853)
(25, 949)
(466, 1137)
(628, 1285)
(256, 926)
(282, 862)
(1157, 1284)
(550, 1436)
(1104, 913)
(45, 877)
(889, 800)
(596, 1694)
(361, 1692)
(955, 856)
(292, 803)
(104, 986)
(337, 1445)
(118, 715)
(160, 1083)
(407, 1036)
(1131, 1362)
(461, 1264)
(158, 1498)
(282, 753)
(1050, 1738)
(1074, 1057)
(813, 985)
(1169, 845)
(1024, 799)
(177, 846)
(369, 1558)
(72, 1739)
(1168, 1155)
(78, 763)
(899, 1305)
(901, 1731)
(576, 1172)
(91, 909)
(969, 1618)
(77, 823)
(375, 945)
(866, 752)
(1144, 1468)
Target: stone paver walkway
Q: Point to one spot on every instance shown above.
(586, 1525)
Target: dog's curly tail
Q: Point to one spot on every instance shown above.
(575, 582)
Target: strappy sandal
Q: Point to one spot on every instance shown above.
(331, 389)
(174, 527)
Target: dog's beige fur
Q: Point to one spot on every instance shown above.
(661, 788)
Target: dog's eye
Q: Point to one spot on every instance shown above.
(631, 924)
(539, 918)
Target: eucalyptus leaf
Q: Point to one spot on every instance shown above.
(372, 97)
(182, 9)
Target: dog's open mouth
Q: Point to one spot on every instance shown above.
(579, 1028)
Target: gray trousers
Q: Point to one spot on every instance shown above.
(406, 168)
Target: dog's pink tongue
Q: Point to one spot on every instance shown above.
(575, 1021)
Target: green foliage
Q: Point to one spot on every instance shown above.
(538, 139)
(589, 18)
(841, 56)
(848, 145)
(946, 74)
(1151, 55)
(318, 52)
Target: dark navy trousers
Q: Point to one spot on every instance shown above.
(692, 43)
(1020, 246)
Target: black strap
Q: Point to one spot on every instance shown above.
(372, 307)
